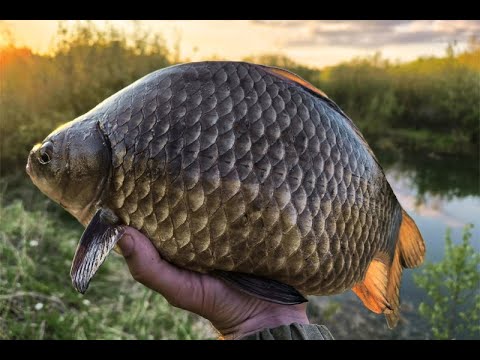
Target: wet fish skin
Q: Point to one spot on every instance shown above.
(243, 171)
(227, 166)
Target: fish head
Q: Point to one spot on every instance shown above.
(72, 166)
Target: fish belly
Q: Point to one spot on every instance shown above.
(225, 166)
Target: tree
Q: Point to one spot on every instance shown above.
(452, 286)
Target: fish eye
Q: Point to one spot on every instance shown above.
(45, 153)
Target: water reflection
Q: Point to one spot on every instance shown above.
(424, 205)
(446, 176)
(438, 192)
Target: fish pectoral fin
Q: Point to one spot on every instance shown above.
(373, 290)
(262, 288)
(97, 241)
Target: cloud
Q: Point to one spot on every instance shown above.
(434, 211)
(373, 33)
(6, 36)
(4, 26)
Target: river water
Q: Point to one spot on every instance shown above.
(438, 193)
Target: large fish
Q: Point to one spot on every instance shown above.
(244, 171)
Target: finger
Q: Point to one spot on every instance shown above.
(181, 288)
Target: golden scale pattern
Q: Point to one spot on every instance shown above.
(224, 165)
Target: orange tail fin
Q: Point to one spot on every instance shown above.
(380, 290)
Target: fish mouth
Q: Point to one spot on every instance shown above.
(28, 168)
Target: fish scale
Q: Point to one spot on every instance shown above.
(243, 171)
(257, 176)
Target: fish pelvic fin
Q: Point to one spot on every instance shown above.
(380, 289)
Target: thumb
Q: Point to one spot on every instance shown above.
(125, 245)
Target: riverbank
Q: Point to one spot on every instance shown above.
(427, 105)
(347, 319)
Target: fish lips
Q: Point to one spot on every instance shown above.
(28, 168)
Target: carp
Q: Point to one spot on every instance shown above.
(244, 171)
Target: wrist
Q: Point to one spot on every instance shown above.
(271, 316)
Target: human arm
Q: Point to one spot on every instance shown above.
(233, 313)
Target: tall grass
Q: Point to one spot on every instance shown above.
(40, 92)
(430, 105)
(37, 300)
(427, 105)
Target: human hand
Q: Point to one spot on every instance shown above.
(233, 313)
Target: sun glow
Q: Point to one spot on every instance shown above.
(316, 43)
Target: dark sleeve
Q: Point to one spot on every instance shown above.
(293, 331)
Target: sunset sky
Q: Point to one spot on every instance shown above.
(313, 42)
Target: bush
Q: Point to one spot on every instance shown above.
(37, 300)
(438, 96)
(41, 92)
(452, 286)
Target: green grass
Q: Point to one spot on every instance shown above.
(37, 300)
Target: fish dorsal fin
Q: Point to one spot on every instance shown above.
(290, 76)
(295, 78)
(373, 289)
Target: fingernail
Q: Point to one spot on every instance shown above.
(126, 244)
